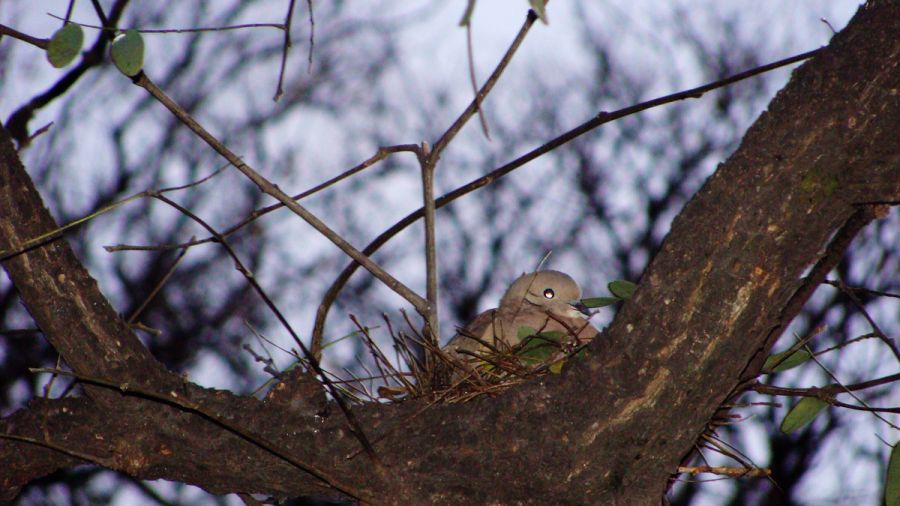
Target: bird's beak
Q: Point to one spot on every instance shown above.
(580, 307)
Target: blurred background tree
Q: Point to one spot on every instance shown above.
(383, 73)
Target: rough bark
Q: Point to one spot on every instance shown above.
(732, 273)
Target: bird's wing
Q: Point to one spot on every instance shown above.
(467, 338)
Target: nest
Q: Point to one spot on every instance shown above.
(422, 371)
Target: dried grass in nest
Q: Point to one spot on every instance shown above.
(488, 373)
(408, 376)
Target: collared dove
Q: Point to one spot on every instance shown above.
(545, 301)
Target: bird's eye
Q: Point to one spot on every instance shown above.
(548, 293)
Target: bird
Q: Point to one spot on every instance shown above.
(541, 302)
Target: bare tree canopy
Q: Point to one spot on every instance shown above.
(741, 261)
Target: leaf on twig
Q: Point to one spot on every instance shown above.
(802, 414)
(65, 45)
(785, 360)
(892, 479)
(128, 52)
(622, 289)
(596, 302)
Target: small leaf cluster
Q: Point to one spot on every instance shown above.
(127, 50)
(620, 290)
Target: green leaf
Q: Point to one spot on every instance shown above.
(892, 480)
(65, 45)
(540, 8)
(802, 414)
(128, 53)
(467, 16)
(785, 360)
(622, 289)
(538, 351)
(595, 302)
(537, 348)
(524, 332)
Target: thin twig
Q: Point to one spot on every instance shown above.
(226, 28)
(24, 37)
(312, 36)
(49, 386)
(474, 81)
(726, 449)
(834, 388)
(844, 344)
(137, 312)
(57, 232)
(599, 119)
(435, 154)
(379, 155)
(103, 19)
(474, 105)
(851, 294)
(839, 284)
(432, 328)
(828, 392)
(270, 189)
(401, 345)
(377, 356)
(37, 133)
(279, 90)
(866, 407)
(69, 11)
(355, 427)
(735, 472)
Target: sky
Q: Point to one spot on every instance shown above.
(639, 27)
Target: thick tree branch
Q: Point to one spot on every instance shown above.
(59, 293)
(612, 426)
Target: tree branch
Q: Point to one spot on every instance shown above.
(267, 187)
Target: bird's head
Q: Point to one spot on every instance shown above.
(553, 291)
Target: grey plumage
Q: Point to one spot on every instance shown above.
(545, 301)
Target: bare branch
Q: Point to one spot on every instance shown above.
(267, 187)
(225, 28)
(600, 119)
(355, 427)
(34, 41)
(432, 329)
(279, 90)
(735, 472)
(381, 154)
(851, 294)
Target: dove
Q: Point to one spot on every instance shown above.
(545, 301)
